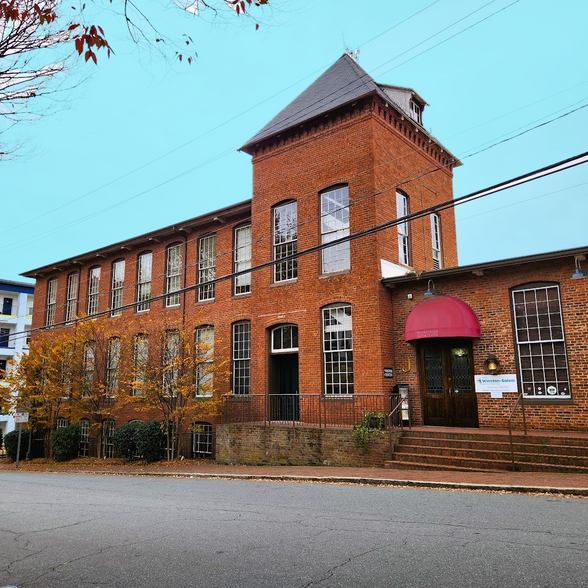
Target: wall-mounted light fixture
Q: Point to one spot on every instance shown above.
(430, 288)
(578, 273)
(492, 364)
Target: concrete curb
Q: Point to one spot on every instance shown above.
(515, 489)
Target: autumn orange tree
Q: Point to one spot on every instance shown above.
(175, 376)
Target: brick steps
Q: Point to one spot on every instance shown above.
(489, 452)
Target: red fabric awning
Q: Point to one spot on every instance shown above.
(441, 316)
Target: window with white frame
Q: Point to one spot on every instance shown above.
(285, 224)
(71, 296)
(84, 449)
(51, 302)
(285, 339)
(140, 358)
(173, 274)
(206, 266)
(436, 241)
(415, 111)
(201, 440)
(171, 362)
(112, 365)
(338, 350)
(144, 270)
(242, 357)
(61, 423)
(108, 428)
(89, 365)
(93, 291)
(335, 225)
(242, 259)
(116, 287)
(403, 237)
(204, 360)
(540, 339)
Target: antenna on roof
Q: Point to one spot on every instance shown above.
(353, 53)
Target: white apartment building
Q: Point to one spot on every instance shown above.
(16, 309)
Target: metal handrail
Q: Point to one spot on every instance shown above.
(520, 399)
(397, 408)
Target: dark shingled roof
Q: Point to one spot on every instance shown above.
(342, 83)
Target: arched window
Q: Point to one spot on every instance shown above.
(540, 340)
(338, 349)
(51, 305)
(436, 241)
(173, 274)
(93, 291)
(144, 271)
(285, 339)
(403, 228)
(84, 449)
(335, 225)
(285, 240)
(117, 281)
(206, 266)
(204, 360)
(71, 296)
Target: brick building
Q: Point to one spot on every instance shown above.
(316, 327)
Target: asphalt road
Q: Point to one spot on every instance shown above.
(79, 531)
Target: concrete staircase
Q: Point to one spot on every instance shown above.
(479, 450)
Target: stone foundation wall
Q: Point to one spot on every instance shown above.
(259, 445)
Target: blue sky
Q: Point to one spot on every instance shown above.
(140, 144)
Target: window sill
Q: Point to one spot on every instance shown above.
(205, 301)
(283, 283)
(240, 296)
(334, 274)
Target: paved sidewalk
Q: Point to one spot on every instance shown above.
(525, 482)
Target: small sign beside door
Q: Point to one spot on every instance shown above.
(496, 385)
(388, 373)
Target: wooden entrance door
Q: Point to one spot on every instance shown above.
(447, 384)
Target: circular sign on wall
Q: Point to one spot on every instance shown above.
(551, 390)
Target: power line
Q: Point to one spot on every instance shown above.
(525, 178)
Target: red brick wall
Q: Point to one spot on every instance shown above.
(488, 295)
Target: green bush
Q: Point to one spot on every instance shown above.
(11, 443)
(150, 441)
(65, 443)
(125, 440)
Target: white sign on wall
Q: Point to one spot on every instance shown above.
(496, 384)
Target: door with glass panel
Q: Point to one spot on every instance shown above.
(447, 384)
(284, 402)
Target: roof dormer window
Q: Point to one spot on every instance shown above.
(415, 111)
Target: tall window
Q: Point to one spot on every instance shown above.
(242, 358)
(173, 274)
(335, 225)
(140, 358)
(51, 302)
(436, 241)
(541, 341)
(285, 241)
(171, 362)
(108, 428)
(206, 266)
(415, 111)
(116, 287)
(93, 290)
(144, 264)
(204, 349)
(112, 364)
(71, 297)
(89, 365)
(84, 449)
(401, 211)
(338, 349)
(242, 259)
